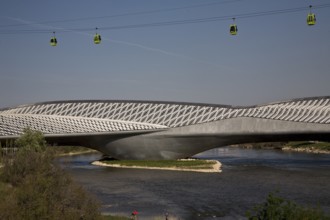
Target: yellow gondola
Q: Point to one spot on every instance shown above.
(97, 38)
(53, 41)
(311, 18)
(233, 28)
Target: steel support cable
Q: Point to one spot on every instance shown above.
(211, 19)
(124, 14)
(169, 23)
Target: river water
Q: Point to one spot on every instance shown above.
(247, 177)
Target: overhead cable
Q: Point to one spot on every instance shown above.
(124, 14)
(169, 23)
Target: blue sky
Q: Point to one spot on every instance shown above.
(273, 57)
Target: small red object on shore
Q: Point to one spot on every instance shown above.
(135, 212)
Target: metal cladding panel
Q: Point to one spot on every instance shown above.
(105, 116)
(14, 124)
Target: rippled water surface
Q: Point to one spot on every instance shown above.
(248, 176)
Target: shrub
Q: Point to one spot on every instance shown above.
(277, 208)
(39, 189)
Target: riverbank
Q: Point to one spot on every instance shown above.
(313, 150)
(306, 146)
(61, 151)
(191, 165)
(73, 153)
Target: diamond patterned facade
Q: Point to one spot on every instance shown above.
(108, 116)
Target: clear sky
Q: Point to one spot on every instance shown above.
(273, 58)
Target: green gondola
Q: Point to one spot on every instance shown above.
(53, 41)
(311, 18)
(233, 28)
(97, 38)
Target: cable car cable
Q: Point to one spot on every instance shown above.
(124, 14)
(177, 22)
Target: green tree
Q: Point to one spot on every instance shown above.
(277, 208)
(31, 140)
(32, 158)
(40, 189)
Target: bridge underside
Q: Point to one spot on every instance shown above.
(172, 147)
(187, 141)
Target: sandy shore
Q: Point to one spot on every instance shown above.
(216, 168)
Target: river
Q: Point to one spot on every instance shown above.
(247, 177)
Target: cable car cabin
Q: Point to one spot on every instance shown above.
(311, 19)
(233, 29)
(53, 41)
(97, 39)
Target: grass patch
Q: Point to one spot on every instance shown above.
(182, 164)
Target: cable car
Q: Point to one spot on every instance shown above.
(53, 40)
(311, 18)
(97, 38)
(233, 28)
